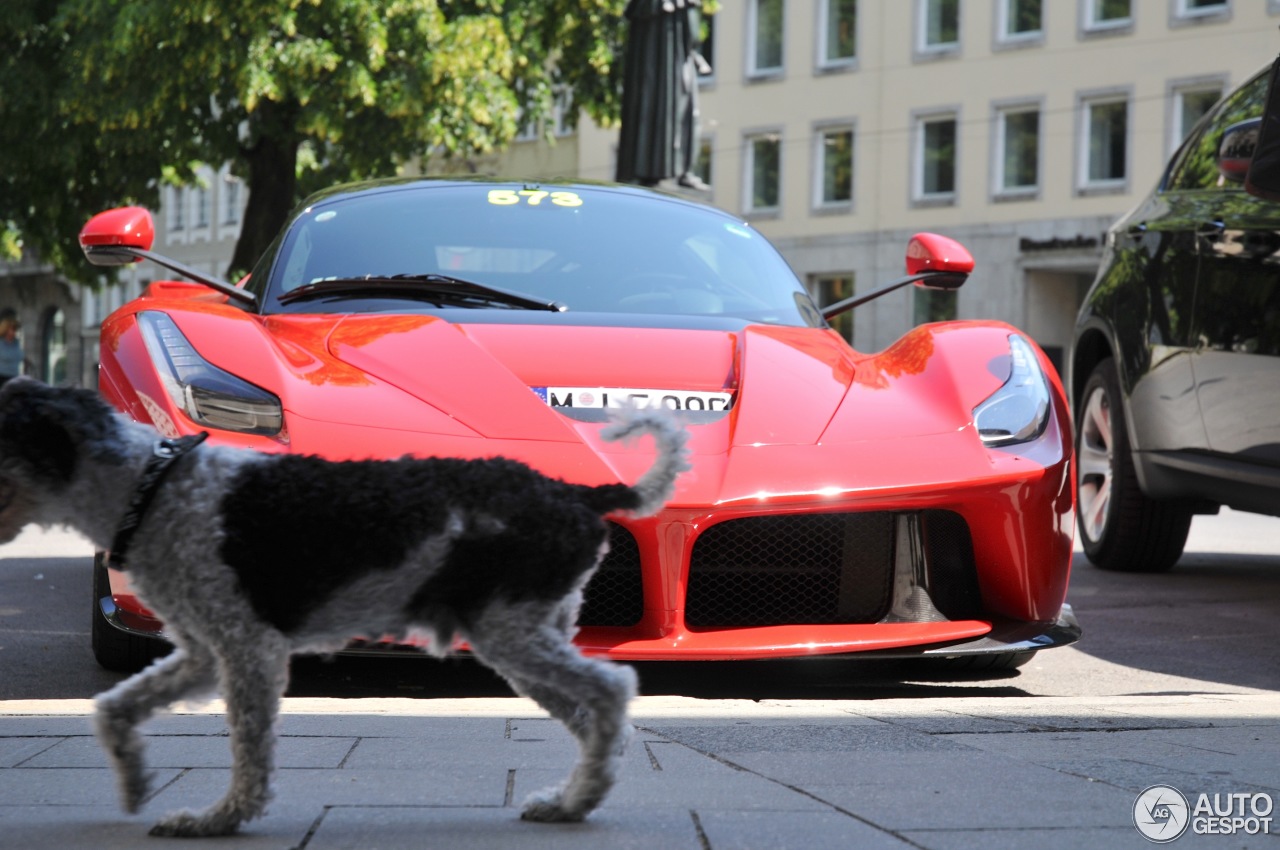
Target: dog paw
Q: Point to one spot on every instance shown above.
(194, 825)
(547, 807)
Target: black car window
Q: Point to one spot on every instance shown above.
(1196, 165)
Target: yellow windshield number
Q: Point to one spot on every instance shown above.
(533, 197)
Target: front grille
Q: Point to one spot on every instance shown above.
(792, 569)
(615, 594)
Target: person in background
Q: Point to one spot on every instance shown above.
(11, 359)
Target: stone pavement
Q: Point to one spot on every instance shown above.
(978, 772)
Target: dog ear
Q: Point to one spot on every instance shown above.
(42, 426)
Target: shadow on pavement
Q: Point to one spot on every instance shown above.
(1213, 617)
(820, 679)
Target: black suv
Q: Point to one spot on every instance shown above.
(1175, 371)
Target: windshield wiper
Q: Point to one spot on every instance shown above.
(439, 289)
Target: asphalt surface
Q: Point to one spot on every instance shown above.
(1175, 683)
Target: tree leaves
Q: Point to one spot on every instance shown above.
(101, 100)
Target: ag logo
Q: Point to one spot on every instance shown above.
(1161, 813)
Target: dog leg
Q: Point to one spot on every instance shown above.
(187, 671)
(589, 696)
(252, 686)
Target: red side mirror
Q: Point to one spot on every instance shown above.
(125, 227)
(929, 252)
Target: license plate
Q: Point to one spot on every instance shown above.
(598, 398)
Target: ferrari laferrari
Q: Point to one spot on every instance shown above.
(911, 502)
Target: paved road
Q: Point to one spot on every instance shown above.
(1176, 682)
(1213, 623)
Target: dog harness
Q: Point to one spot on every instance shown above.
(163, 455)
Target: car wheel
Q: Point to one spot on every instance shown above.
(1120, 528)
(117, 650)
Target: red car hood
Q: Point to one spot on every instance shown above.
(792, 389)
(809, 413)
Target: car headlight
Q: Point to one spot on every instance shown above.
(208, 395)
(1019, 410)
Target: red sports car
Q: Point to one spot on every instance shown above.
(915, 501)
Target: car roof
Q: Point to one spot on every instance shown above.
(365, 188)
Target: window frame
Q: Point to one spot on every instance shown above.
(825, 62)
(1177, 90)
(1005, 38)
(1090, 24)
(203, 200)
(1001, 111)
(1182, 12)
(924, 300)
(1086, 101)
(706, 144)
(177, 226)
(919, 120)
(755, 71)
(232, 189)
(821, 132)
(924, 49)
(749, 140)
(830, 281)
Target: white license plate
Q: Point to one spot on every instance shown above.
(595, 398)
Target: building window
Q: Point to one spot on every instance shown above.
(935, 159)
(939, 23)
(703, 162)
(1201, 8)
(1188, 106)
(1017, 151)
(1020, 20)
(835, 167)
(765, 28)
(177, 208)
(838, 32)
(764, 165)
(934, 305)
(202, 206)
(1104, 142)
(564, 111)
(829, 289)
(231, 200)
(1107, 14)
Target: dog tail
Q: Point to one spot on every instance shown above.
(655, 487)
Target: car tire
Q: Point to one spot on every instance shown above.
(116, 650)
(1120, 528)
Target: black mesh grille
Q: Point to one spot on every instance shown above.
(792, 569)
(615, 595)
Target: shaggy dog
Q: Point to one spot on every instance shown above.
(250, 557)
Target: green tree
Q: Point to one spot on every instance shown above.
(101, 101)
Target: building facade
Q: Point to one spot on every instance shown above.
(1022, 128)
(839, 128)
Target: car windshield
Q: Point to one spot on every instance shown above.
(588, 250)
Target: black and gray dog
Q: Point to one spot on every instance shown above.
(250, 557)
